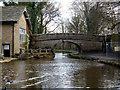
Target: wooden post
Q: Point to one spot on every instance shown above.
(40, 50)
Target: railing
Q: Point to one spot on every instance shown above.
(40, 51)
(113, 50)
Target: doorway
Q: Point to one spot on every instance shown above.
(6, 50)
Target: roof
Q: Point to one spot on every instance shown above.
(13, 14)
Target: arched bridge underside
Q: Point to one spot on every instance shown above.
(83, 42)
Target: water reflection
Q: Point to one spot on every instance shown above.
(62, 72)
(1, 76)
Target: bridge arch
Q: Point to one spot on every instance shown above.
(67, 41)
(84, 43)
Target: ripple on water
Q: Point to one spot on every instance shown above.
(62, 72)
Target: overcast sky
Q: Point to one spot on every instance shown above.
(1, 3)
(65, 5)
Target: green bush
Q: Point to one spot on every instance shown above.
(47, 47)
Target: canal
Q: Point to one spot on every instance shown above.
(62, 72)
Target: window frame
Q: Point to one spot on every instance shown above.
(22, 33)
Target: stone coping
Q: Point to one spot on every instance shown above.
(104, 60)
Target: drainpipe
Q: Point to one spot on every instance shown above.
(12, 39)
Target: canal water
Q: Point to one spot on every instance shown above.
(62, 72)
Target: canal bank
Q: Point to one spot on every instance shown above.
(33, 54)
(100, 58)
(6, 60)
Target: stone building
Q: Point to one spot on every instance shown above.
(15, 25)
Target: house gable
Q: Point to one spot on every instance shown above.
(12, 14)
(21, 24)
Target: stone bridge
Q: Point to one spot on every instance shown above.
(82, 41)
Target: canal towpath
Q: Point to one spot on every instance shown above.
(111, 59)
(6, 60)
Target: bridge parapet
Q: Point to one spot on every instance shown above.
(66, 36)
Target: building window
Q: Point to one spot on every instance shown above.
(22, 34)
(6, 47)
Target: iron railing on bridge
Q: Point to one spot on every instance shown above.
(113, 49)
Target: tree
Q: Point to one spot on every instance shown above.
(97, 15)
(116, 4)
(32, 10)
(82, 9)
(41, 14)
(48, 14)
(76, 25)
(108, 17)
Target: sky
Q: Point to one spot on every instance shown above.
(65, 7)
(65, 13)
(1, 4)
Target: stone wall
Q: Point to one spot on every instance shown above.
(66, 36)
(7, 35)
(17, 43)
(86, 43)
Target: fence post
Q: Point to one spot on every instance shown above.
(40, 50)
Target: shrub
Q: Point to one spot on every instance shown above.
(47, 47)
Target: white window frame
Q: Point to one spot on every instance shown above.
(6, 47)
(22, 32)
